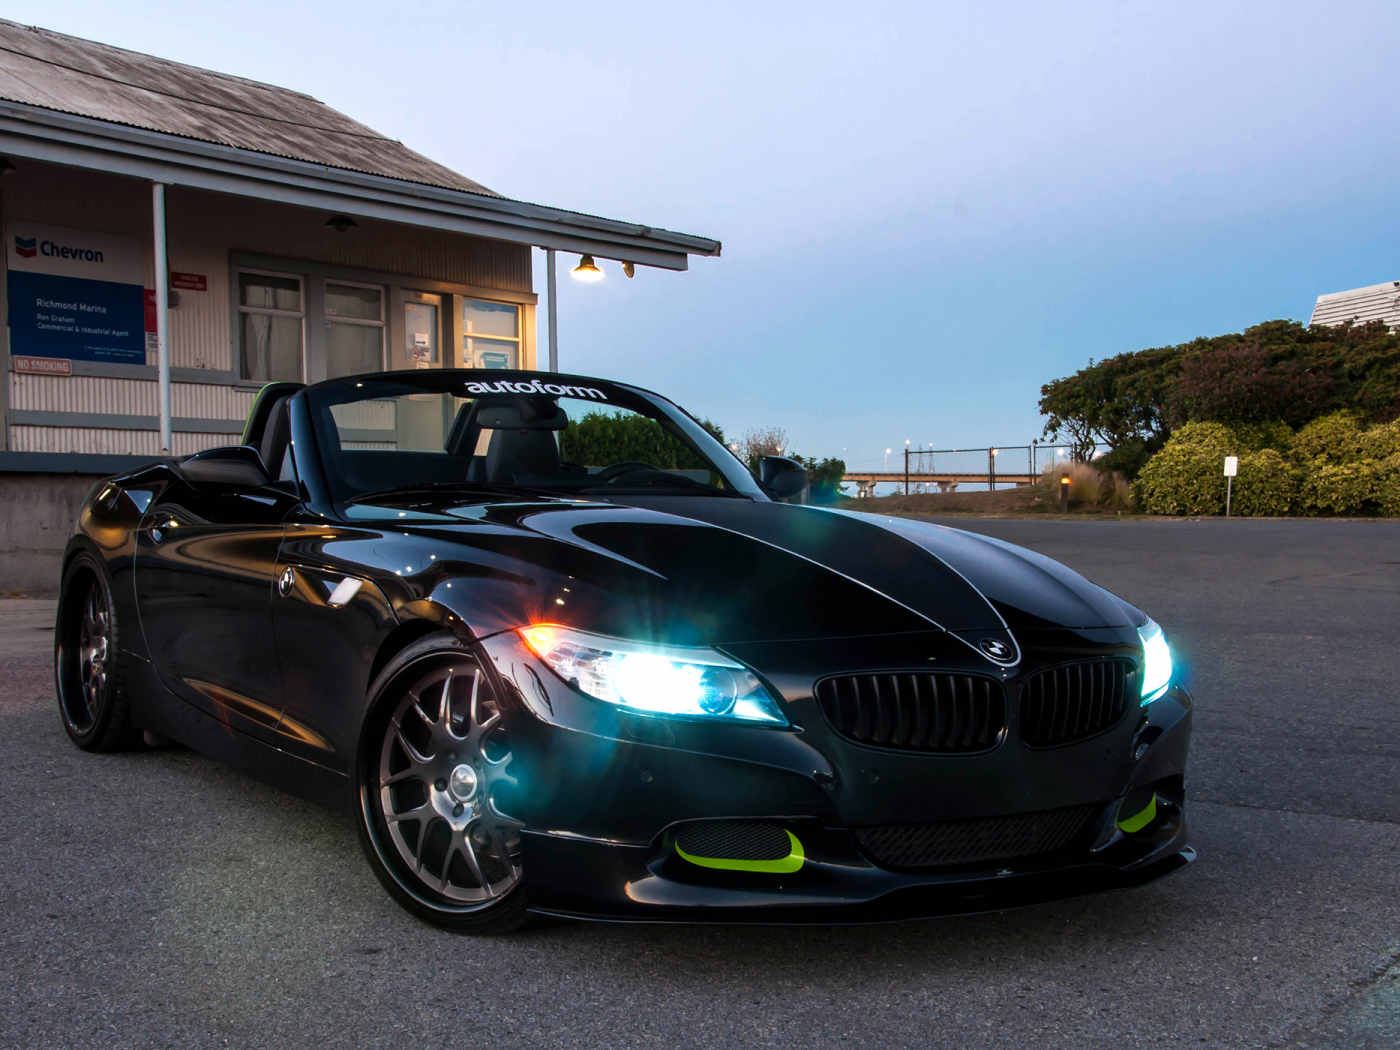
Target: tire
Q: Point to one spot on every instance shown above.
(432, 787)
(88, 672)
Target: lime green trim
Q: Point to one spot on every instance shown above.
(1140, 820)
(791, 862)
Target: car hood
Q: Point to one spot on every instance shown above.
(711, 570)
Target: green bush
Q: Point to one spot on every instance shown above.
(1334, 438)
(1381, 442)
(1268, 485)
(1387, 490)
(1331, 466)
(1187, 476)
(1340, 488)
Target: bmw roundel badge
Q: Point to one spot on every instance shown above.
(995, 648)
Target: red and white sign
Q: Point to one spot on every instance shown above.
(48, 366)
(195, 282)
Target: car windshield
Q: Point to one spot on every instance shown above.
(519, 430)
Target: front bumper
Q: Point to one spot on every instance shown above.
(586, 878)
(603, 794)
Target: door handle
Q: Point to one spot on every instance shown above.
(158, 531)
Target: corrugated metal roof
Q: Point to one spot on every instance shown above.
(72, 75)
(1379, 302)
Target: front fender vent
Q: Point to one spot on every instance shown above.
(949, 714)
(1064, 705)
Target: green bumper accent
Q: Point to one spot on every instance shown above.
(791, 862)
(1140, 820)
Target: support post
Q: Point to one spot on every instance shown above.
(551, 281)
(1229, 491)
(992, 469)
(906, 470)
(1031, 475)
(162, 311)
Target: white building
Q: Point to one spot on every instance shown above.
(1379, 302)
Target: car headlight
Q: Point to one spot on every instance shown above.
(666, 680)
(1156, 661)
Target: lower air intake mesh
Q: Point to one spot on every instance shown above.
(918, 847)
(734, 840)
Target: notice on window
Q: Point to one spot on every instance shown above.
(75, 295)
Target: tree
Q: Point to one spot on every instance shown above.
(757, 443)
(823, 478)
(1278, 373)
(1119, 401)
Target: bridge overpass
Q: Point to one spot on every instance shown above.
(866, 480)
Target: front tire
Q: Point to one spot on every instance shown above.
(434, 790)
(92, 697)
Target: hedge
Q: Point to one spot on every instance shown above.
(1268, 485)
(1333, 465)
(1334, 438)
(1186, 477)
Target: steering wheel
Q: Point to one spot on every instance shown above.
(620, 470)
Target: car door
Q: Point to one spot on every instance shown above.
(330, 620)
(204, 580)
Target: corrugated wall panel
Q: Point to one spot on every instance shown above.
(107, 442)
(208, 401)
(199, 325)
(129, 397)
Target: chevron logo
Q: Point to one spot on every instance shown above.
(26, 247)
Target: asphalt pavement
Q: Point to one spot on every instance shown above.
(157, 899)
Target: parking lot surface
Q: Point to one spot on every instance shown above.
(156, 899)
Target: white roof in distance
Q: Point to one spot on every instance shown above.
(1379, 302)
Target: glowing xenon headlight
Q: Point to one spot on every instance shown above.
(1156, 661)
(666, 680)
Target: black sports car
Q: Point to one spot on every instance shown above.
(559, 652)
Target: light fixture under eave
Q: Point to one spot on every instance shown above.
(629, 269)
(341, 223)
(587, 270)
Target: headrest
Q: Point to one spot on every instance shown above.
(535, 413)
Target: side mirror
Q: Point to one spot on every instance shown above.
(237, 466)
(784, 478)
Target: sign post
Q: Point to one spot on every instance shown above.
(1232, 467)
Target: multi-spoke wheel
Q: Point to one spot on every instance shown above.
(87, 665)
(435, 788)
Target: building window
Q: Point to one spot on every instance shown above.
(354, 329)
(491, 336)
(270, 317)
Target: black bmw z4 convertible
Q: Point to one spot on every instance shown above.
(559, 652)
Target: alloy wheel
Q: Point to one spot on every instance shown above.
(94, 652)
(443, 773)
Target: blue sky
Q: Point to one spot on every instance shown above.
(927, 210)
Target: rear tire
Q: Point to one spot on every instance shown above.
(432, 785)
(88, 673)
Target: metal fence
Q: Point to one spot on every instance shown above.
(1021, 462)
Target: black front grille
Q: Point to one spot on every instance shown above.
(920, 847)
(938, 713)
(1062, 705)
(734, 840)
